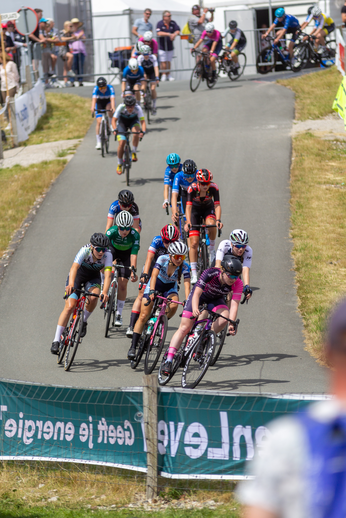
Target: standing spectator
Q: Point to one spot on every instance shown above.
(197, 21)
(35, 38)
(67, 36)
(301, 469)
(12, 78)
(343, 14)
(167, 30)
(78, 49)
(46, 48)
(54, 35)
(142, 25)
(14, 40)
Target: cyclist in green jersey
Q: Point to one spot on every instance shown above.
(124, 245)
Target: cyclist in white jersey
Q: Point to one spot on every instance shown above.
(148, 61)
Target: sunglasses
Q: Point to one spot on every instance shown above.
(239, 246)
(174, 166)
(177, 257)
(124, 228)
(231, 276)
(100, 249)
(204, 183)
(127, 206)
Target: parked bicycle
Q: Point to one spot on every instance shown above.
(305, 52)
(268, 57)
(227, 65)
(71, 337)
(104, 131)
(203, 71)
(110, 307)
(203, 254)
(127, 160)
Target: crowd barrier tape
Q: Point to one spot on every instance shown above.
(29, 107)
(201, 434)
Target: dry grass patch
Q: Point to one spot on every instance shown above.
(314, 93)
(20, 187)
(318, 205)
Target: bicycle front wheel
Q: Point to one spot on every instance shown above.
(240, 70)
(198, 361)
(196, 77)
(220, 340)
(127, 163)
(155, 345)
(142, 343)
(110, 309)
(103, 138)
(266, 61)
(300, 57)
(63, 344)
(205, 257)
(163, 378)
(74, 342)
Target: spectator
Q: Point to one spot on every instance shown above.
(78, 49)
(12, 78)
(13, 42)
(343, 14)
(66, 35)
(197, 21)
(301, 470)
(167, 30)
(35, 38)
(54, 35)
(142, 25)
(46, 48)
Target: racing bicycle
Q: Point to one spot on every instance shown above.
(203, 71)
(148, 100)
(203, 255)
(111, 305)
(104, 131)
(127, 156)
(268, 57)
(227, 65)
(305, 52)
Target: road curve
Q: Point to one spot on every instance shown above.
(240, 131)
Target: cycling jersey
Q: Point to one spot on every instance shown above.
(122, 113)
(97, 94)
(215, 36)
(157, 247)
(238, 36)
(211, 196)
(170, 175)
(129, 76)
(152, 44)
(321, 22)
(180, 183)
(130, 242)
(88, 262)
(290, 22)
(225, 247)
(115, 208)
(166, 284)
(148, 64)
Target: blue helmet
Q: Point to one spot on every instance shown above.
(173, 159)
(279, 13)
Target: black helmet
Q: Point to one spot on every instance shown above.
(126, 197)
(130, 100)
(232, 265)
(99, 239)
(232, 24)
(189, 167)
(101, 82)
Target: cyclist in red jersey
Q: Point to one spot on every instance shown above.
(203, 203)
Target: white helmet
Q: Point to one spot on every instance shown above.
(145, 50)
(209, 27)
(316, 11)
(148, 36)
(133, 64)
(177, 247)
(239, 237)
(124, 219)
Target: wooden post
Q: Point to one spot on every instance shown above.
(12, 110)
(150, 427)
(4, 65)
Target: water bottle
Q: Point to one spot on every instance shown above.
(207, 240)
(151, 325)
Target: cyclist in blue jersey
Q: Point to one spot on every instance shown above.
(165, 278)
(173, 166)
(133, 79)
(125, 201)
(103, 98)
(291, 26)
(169, 234)
(181, 183)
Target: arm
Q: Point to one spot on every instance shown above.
(157, 73)
(273, 25)
(218, 216)
(175, 34)
(107, 283)
(303, 25)
(134, 31)
(93, 105)
(34, 38)
(153, 278)
(233, 314)
(81, 36)
(195, 301)
(113, 104)
(197, 44)
(144, 126)
(187, 287)
(246, 276)
(202, 18)
(133, 261)
(188, 216)
(174, 201)
(164, 34)
(279, 35)
(148, 261)
(72, 278)
(165, 195)
(258, 512)
(114, 123)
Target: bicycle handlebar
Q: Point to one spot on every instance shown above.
(168, 300)
(81, 292)
(167, 210)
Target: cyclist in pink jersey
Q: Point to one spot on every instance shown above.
(147, 39)
(212, 42)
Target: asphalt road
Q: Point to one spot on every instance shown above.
(240, 131)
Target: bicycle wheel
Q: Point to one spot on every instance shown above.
(127, 163)
(162, 378)
(142, 343)
(327, 57)
(63, 344)
(205, 257)
(240, 70)
(196, 77)
(73, 342)
(110, 309)
(198, 361)
(266, 60)
(331, 46)
(300, 57)
(148, 105)
(155, 345)
(220, 340)
(103, 138)
(210, 83)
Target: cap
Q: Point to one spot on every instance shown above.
(43, 20)
(4, 25)
(337, 327)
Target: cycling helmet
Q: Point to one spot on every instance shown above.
(310, 9)
(209, 27)
(178, 247)
(148, 36)
(126, 197)
(130, 100)
(99, 239)
(145, 50)
(169, 233)
(239, 237)
(124, 219)
(101, 82)
(173, 159)
(133, 64)
(189, 167)
(279, 13)
(316, 11)
(232, 265)
(204, 175)
(138, 46)
(233, 24)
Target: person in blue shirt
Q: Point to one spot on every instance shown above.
(181, 182)
(291, 26)
(103, 98)
(133, 79)
(173, 167)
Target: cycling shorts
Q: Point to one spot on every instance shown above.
(130, 84)
(125, 124)
(163, 288)
(218, 47)
(213, 305)
(151, 75)
(294, 31)
(123, 257)
(101, 105)
(198, 214)
(238, 48)
(329, 28)
(87, 278)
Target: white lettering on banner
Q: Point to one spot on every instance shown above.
(162, 436)
(29, 431)
(9, 16)
(3, 408)
(175, 437)
(90, 433)
(83, 432)
(129, 435)
(223, 452)
(29, 107)
(10, 428)
(201, 441)
(238, 432)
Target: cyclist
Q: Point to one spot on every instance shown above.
(237, 245)
(133, 76)
(291, 26)
(128, 116)
(165, 278)
(324, 25)
(147, 39)
(149, 63)
(85, 270)
(203, 203)
(173, 167)
(124, 245)
(211, 289)
(237, 43)
(169, 234)
(181, 182)
(212, 42)
(103, 98)
(125, 201)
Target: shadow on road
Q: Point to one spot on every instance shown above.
(93, 365)
(149, 130)
(237, 384)
(227, 86)
(167, 96)
(164, 119)
(164, 107)
(248, 359)
(143, 181)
